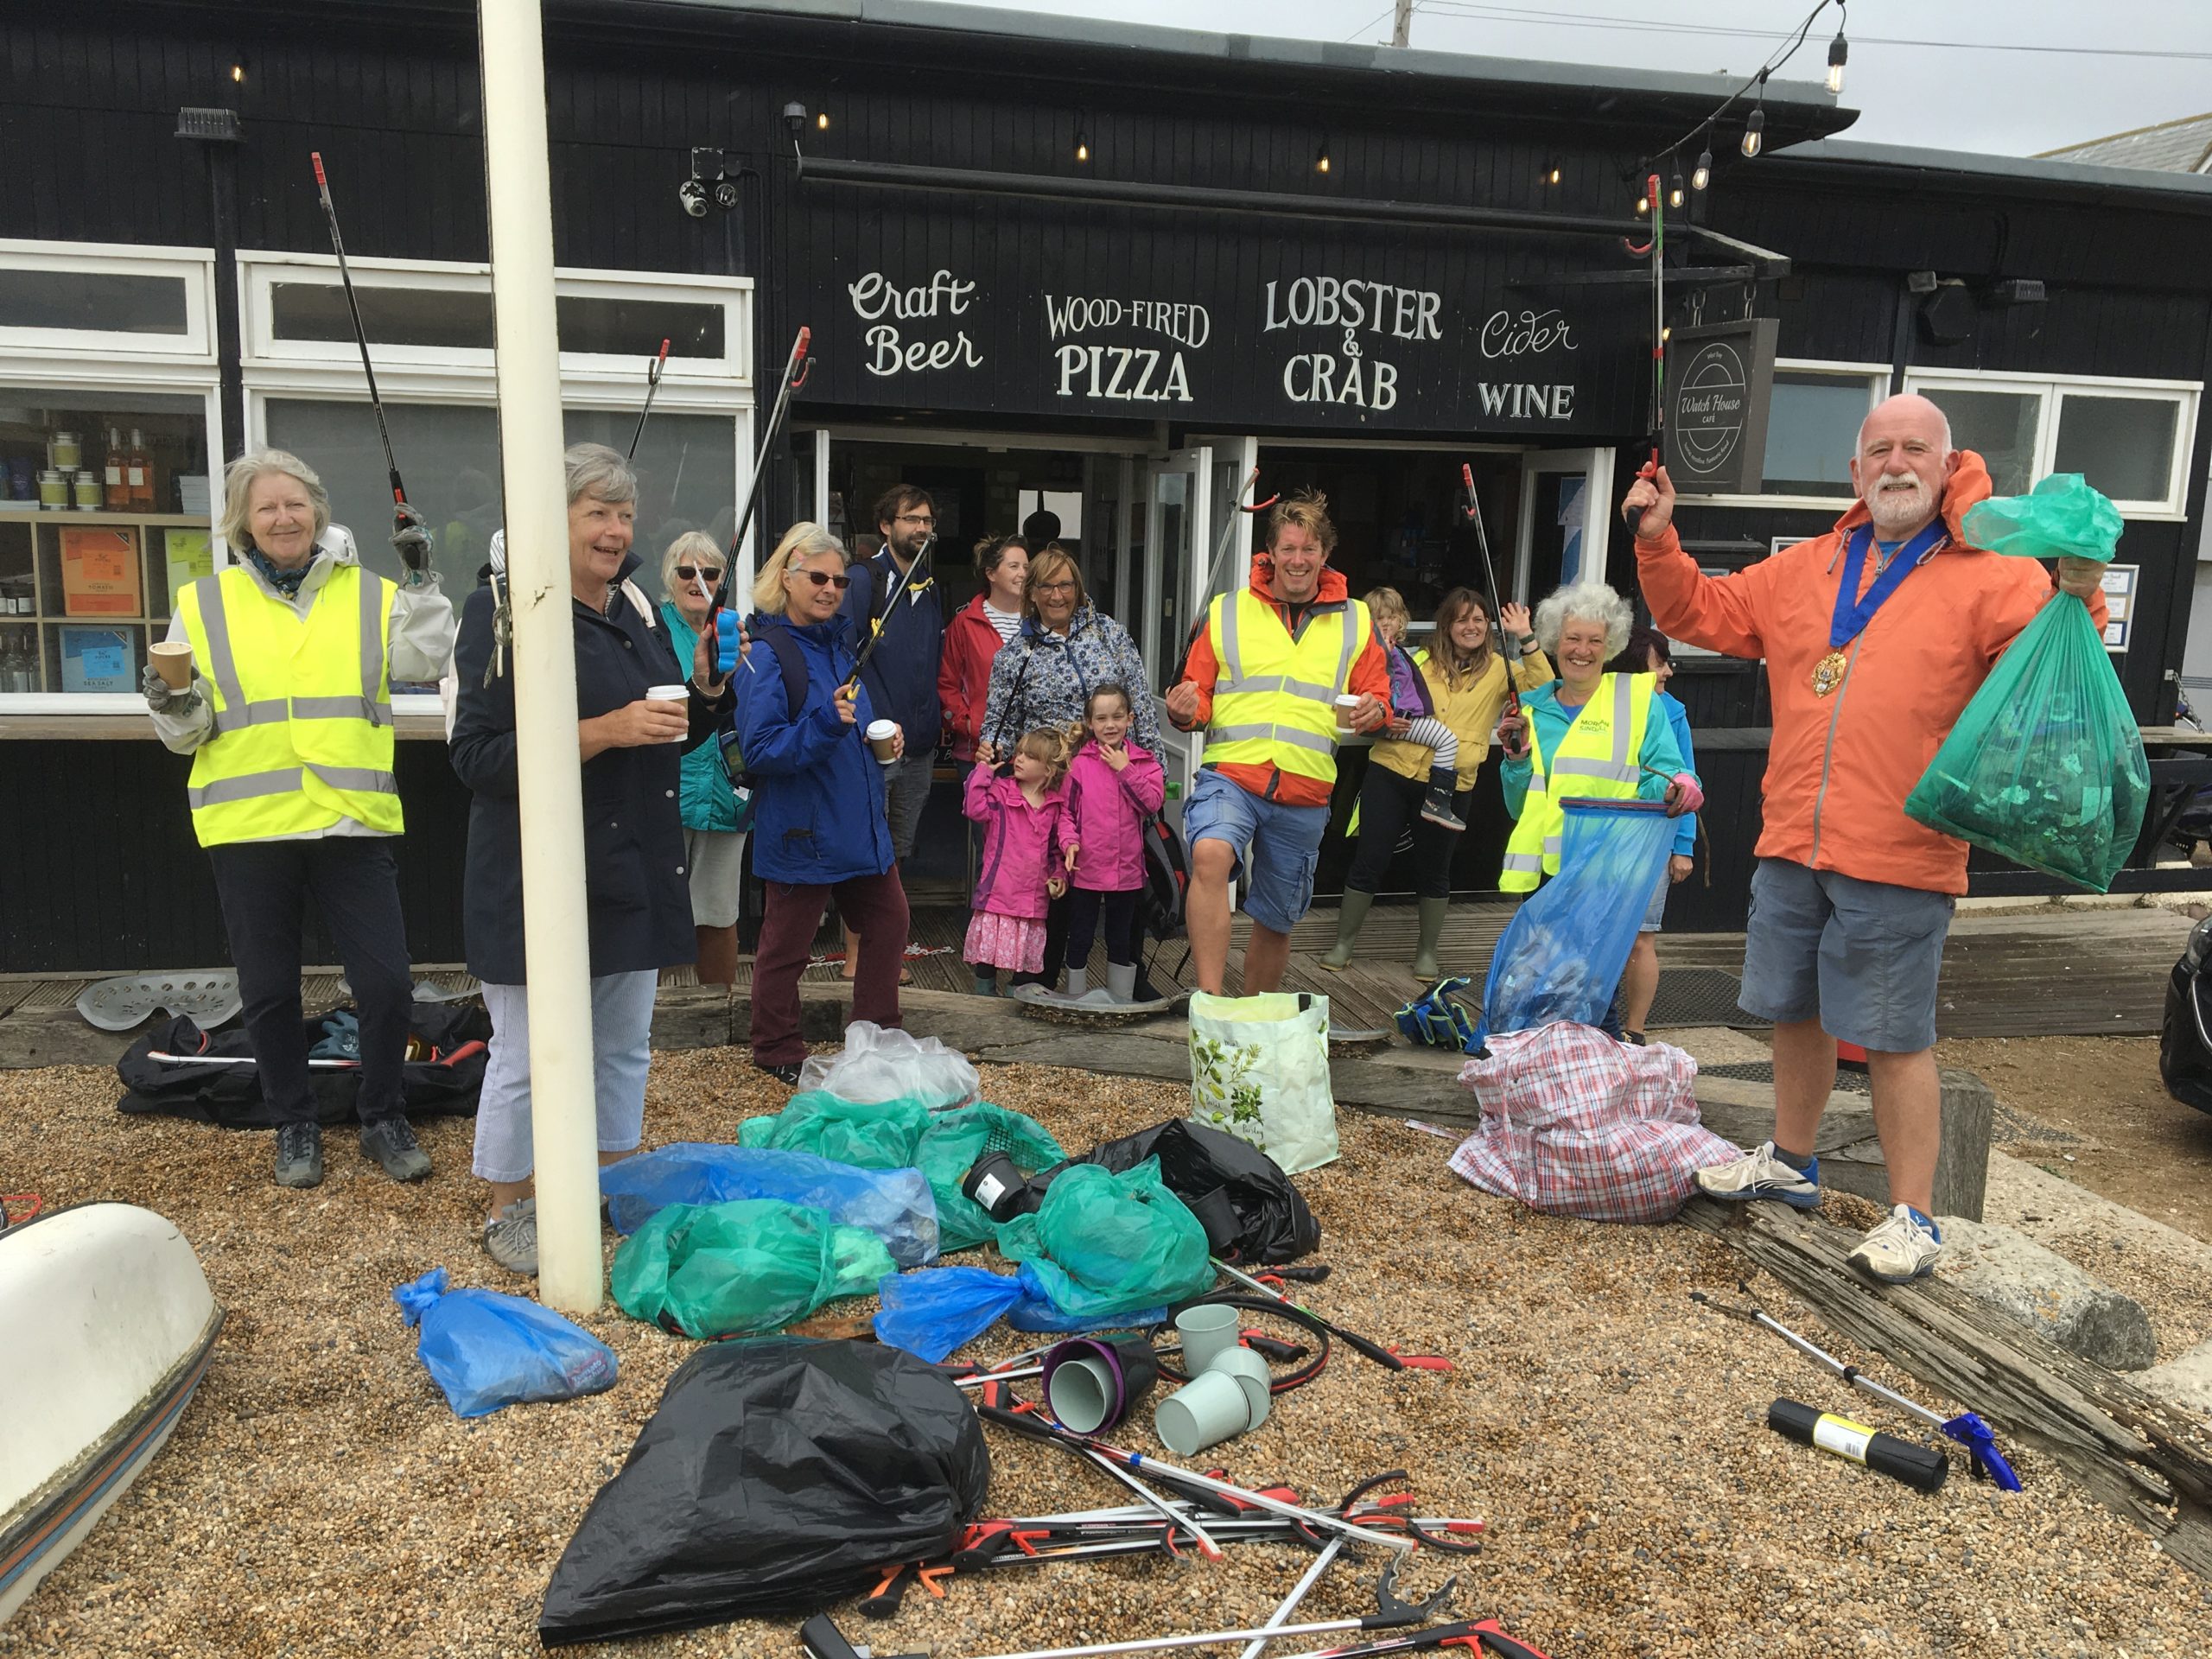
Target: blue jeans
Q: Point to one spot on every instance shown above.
(622, 1050)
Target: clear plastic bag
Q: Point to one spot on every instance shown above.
(895, 1204)
(733, 1269)
(879, 1064)
(486, 1350)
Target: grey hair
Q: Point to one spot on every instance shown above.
(693, 545)
(802, 541)
(1586, 602)
(239, 479)
(600, 473)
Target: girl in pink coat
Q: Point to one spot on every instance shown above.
(1114, 787)
(1029, 845)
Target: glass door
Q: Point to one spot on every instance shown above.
(1177, 495)
(1567, 517)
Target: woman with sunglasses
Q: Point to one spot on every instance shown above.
(818, 825)
(715, 821)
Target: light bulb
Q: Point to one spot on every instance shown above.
(238, 72)
(1552, 177)
(1701, 174)
(1675, 194)
(822, 122)
(1839, 50)
(1321, 160)
(1751, 130)
(1643, 206)
(1082, 146)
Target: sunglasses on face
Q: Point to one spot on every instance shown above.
(692, 573)
(824, 579)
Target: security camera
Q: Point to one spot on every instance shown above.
(726, 194)
(693, 194)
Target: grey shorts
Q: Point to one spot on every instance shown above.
(1657, 908)
(905, 791)
(1862, 958)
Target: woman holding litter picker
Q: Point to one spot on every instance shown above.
(1463, 668)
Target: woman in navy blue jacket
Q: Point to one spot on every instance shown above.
(818, 822)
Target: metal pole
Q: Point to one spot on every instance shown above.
(1401, 24)
(519, 188)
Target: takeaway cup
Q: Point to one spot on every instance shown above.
(883, 737)
(1347, 706)
(173, 661)
(1206, 1330)
(1210, 1409)
(678, 695)
(1251, 1374)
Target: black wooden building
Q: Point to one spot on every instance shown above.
(1047, 264)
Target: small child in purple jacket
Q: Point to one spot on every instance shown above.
(1413, 711)
(1028, 846)
(1114, 788)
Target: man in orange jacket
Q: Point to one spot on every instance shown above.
(1875, 636)
(1263, 676)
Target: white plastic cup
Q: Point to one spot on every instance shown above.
(1082, 1394)
(678, 695)
(173, 661)
(883, 737)
(1206, 1330)
(1347, 706)
(1208, 1410)
(1252, 1376)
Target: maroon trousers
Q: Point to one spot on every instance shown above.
(874, 906)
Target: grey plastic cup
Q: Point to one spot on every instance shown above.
(1204, 1413)
(1206, 1330)
(1081, 1394)
(1252, 1375)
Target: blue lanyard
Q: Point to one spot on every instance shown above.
(1854, 613)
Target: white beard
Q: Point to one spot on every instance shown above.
(1895, 510)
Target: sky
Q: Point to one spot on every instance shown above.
(2097, 67)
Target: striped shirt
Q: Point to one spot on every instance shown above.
(1008, 623)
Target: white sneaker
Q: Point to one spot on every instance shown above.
(1899, 1250)
(1760, 1175)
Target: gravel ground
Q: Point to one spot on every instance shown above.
(320, 1499)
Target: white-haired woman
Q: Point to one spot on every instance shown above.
(288, 719)
(1623, 750)
(714, 820)
(636, 898)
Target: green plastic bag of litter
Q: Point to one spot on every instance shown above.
(2045, 766)
(1103, 1243)
(711, 1270)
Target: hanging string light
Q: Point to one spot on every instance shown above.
(1755, 123)
(1082, 145)
(1674, 193)
(1701, 174)
(1754, 135)
(1839, 51)
(1321, 157)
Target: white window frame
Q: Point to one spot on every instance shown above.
(1876, 379)
(2053, 390)
(195, 267)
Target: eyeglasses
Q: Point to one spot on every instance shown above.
(824, 579)
(1055, 587)
(920, 520)
(692, 573)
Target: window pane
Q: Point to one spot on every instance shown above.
(1812, 428)
(627, 327)
(1999, 427)
(451, 318)
(110, 302)
(2124, 446)
(687, 480)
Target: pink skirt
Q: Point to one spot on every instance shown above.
(1013, 941)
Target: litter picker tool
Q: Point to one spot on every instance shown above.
(880, 619)
(1471, 512)
(1221, 557)
(797, 368)
(653, 385)
(403, 517)
(1374, 1350)
(1968, 1428)
(1658, 247)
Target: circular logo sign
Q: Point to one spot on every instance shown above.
(1709, 399)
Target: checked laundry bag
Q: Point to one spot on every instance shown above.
(1576, 1124)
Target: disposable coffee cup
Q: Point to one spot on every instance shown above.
(1347, 706)
(173, 661)
(1252, 1376)
(883, 737)
(678, 695)
(1206, 1330)
(1207, 1412)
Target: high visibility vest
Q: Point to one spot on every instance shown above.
(1275, 702)
(302, 706)
(1598, 758)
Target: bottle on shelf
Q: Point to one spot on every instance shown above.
(117, 493)
(138, 471)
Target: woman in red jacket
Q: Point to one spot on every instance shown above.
(973, 637)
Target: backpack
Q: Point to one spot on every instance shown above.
(793, 666)
(1166, 879)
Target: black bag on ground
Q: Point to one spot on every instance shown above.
(1240, 1197)
(776, 1476)
(444, 1083)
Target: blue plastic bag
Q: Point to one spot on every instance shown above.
(895, 1204)
(486, 1350)
(1562, 955)
(942, 1310)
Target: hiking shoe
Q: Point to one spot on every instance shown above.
(391, 1142)
(298, 1155)
(787, 1075)
(510, 1237)
(1760, 1175)
(1902, 1248)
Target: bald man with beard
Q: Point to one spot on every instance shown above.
(1875, 637)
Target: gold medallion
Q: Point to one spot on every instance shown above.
(1828, 673)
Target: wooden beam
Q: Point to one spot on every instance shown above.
(2138, 1457)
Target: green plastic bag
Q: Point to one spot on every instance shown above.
(1103, 1243)
(879, 1136)
(738, 1269)
(2045, 766)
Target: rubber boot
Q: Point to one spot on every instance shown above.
(1436, 805)
(1121, 981)
(1078, 982)
(1433, 912)
(1352, 916)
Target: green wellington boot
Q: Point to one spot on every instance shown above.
(1433, 912)
(1351, 915)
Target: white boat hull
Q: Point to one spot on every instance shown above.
(110, 1326)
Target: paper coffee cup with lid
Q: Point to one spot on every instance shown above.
(173, 662)
(678, 695)
(1347, 706)
(883, 738)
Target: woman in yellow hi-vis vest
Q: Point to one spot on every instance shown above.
(1588, 734)
(288, 719)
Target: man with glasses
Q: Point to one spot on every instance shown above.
(889, 592)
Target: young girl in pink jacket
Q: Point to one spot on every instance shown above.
(1114, 787)
(1029, 844)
